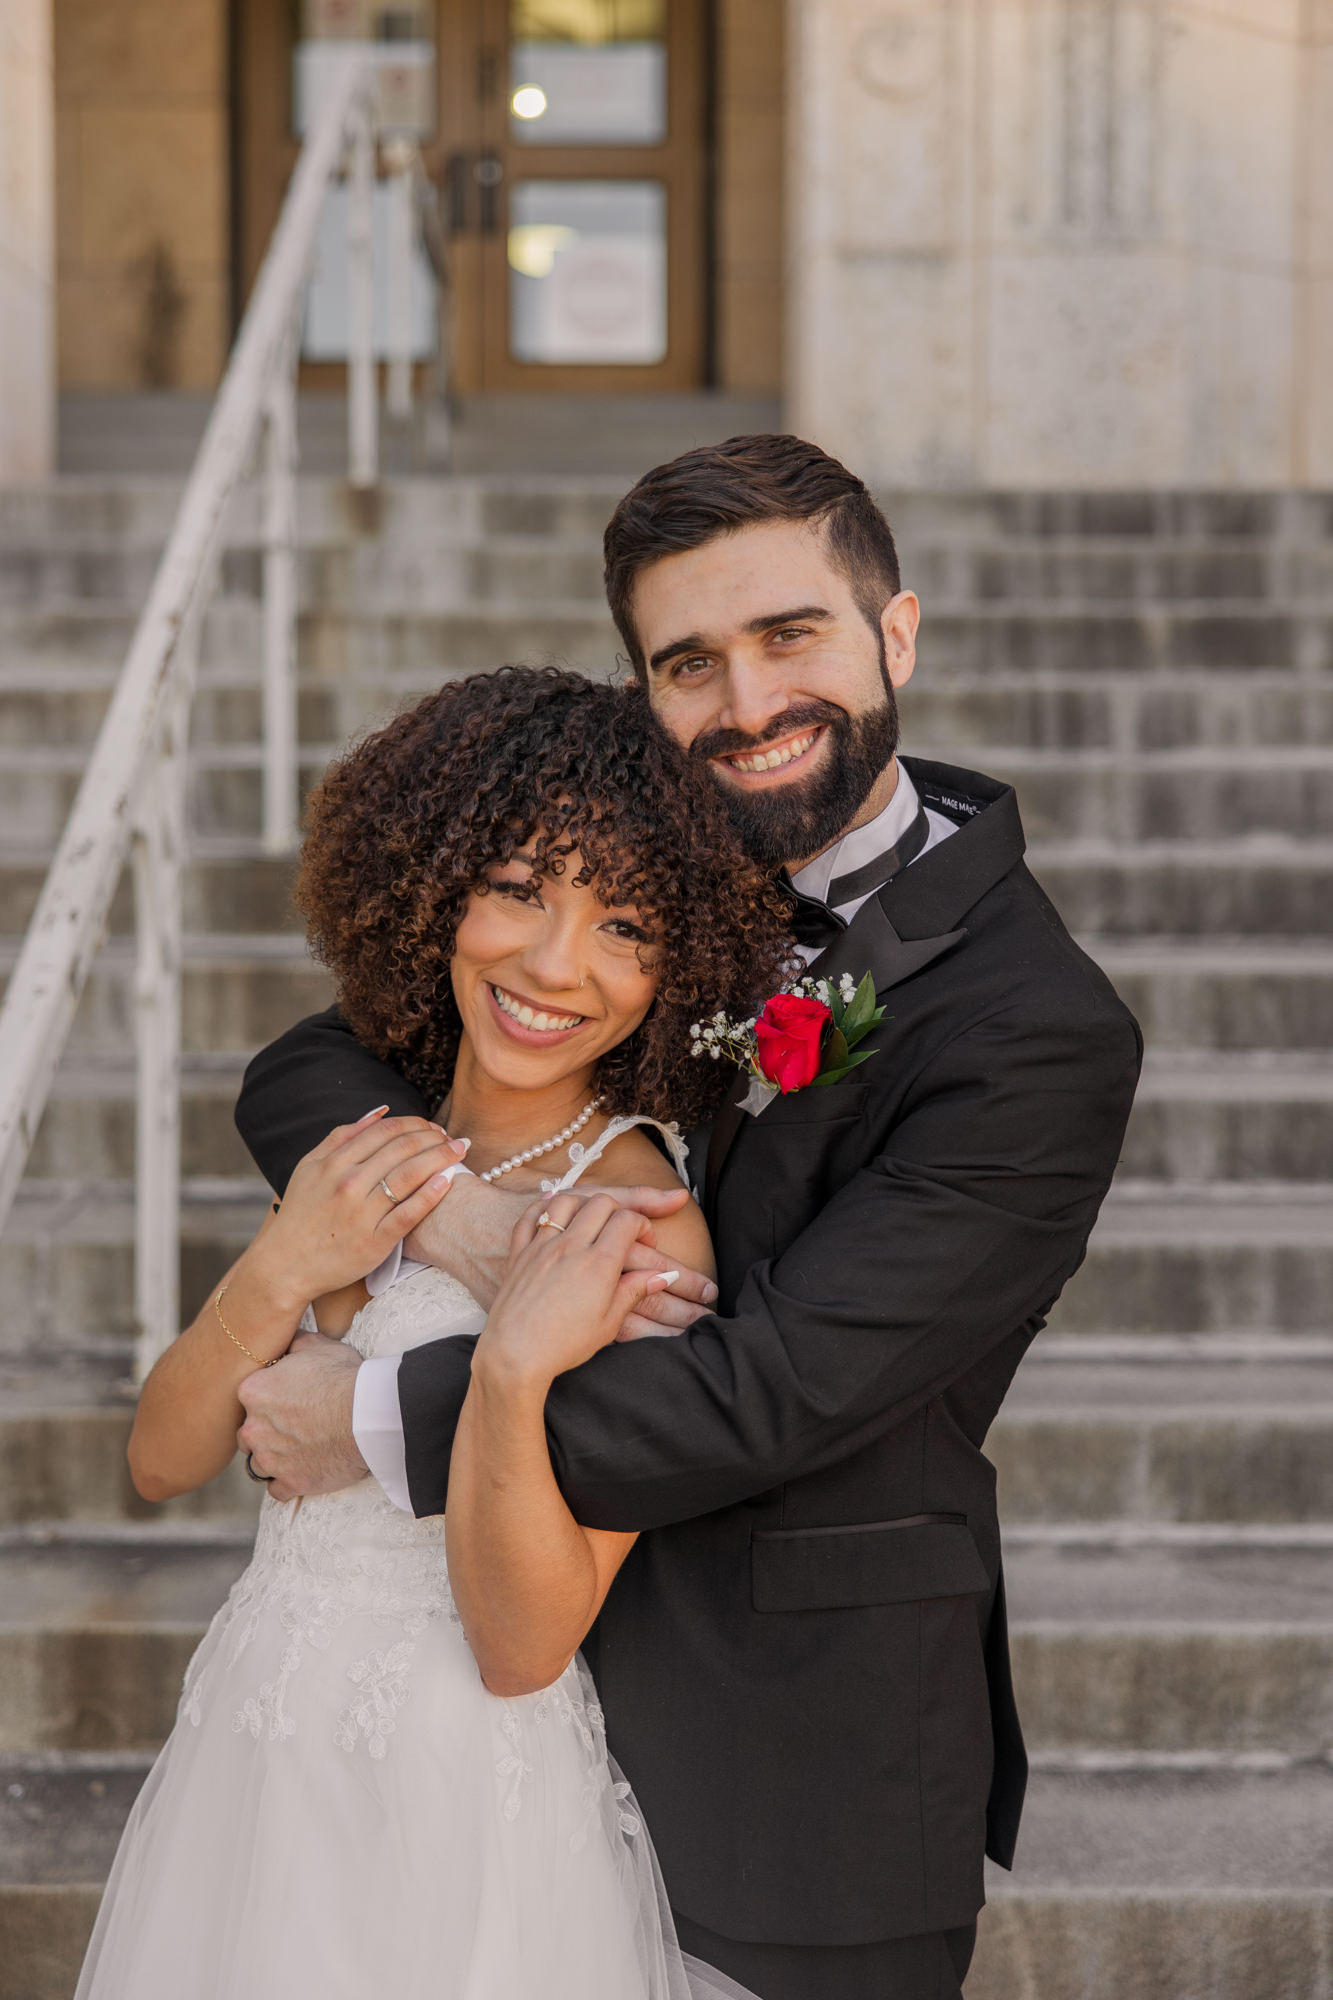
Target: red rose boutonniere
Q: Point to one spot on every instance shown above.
(804, 1035)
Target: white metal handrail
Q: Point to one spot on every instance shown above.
(131, 803)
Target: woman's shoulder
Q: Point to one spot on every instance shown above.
(634, 1159)
(636, 1156)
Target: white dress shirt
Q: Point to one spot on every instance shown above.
(377, 1421)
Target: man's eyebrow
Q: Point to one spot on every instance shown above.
(695, 642)
(802, 611)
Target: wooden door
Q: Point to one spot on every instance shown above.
(574, 173)
(567, 138)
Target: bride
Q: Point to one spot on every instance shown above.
(388, 1774)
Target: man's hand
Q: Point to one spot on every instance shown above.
(470, 1233)
(298, 1419)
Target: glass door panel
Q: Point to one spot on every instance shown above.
(587, 72)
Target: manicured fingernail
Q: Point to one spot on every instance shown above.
(443, 1179)
(710, 1293)
(665, 1278)
(366, 1116)
(462, 1147)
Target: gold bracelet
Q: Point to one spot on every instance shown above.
(217, 1307)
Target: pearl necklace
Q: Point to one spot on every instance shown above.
(547, 1146)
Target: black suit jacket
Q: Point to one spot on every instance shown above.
(804, 1662)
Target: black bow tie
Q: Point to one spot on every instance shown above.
(816, 924)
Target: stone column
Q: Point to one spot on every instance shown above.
(27, 242)
(1060, 242)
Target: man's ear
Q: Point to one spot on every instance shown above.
(898, 622)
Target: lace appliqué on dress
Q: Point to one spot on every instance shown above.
(323, 1560)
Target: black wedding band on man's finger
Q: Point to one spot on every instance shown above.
(261, 1478)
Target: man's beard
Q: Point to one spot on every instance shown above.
(791, 822)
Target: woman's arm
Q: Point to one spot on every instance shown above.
(335, 1224)
(527, 1579)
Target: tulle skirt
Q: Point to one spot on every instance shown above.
(344, 1812)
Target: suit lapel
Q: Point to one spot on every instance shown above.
(914, 919)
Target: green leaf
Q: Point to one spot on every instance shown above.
(835, 1048)
(860, 1008)
(852, 1062)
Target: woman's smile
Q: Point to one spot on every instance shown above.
(529, 1021)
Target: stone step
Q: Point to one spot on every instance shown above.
(1261, 1116)
(1233, 996)
(97, 1630)
(423, 648)
(976, 718)
(1255, 1259)
(229, 885)
(1196, 1119)
(1187, 1640)
(1205, 795)
(137, 509)
(1095, 639)
(1129, 1885)
(1211, 1437)
(238, 991)
(1269, 886)
(66, 1264)
(1217, 1259)
(1153, 1884)
(1226, 993)
(1119, 1644)
(1152, 1441)
(63, 1437)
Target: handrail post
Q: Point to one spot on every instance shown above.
(362, 398)
(281, 752)
(157, 855)
(399, 279)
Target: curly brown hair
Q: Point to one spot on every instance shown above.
(403, 828)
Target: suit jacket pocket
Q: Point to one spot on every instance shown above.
(875, 1562)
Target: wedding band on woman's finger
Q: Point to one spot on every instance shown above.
(544, 1222)
(389, 1191)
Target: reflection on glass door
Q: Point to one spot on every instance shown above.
(588, 72)
(579, 205)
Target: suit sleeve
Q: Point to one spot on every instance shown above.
(312, 1078)
(966, 1225)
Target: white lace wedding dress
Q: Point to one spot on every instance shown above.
(344, 1812)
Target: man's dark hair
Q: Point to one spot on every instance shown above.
(720, 487)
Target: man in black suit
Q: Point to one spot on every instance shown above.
(804, 1662)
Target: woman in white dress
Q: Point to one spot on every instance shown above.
(388, 1774)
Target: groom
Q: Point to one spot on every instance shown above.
(804, 1662)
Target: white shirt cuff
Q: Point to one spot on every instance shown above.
(377, 1425)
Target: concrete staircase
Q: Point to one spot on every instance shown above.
(1156, 675)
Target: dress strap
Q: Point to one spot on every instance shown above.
(582, 1157)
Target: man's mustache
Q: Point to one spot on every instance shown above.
(734, 742)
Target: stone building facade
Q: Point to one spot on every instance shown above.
(970, 243)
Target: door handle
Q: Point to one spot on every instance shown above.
(488, 173)
(457, 180)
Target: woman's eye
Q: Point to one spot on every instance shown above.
(524, 890)
(622, 927)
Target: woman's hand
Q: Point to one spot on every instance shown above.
(567, 1292)
(349, 1201)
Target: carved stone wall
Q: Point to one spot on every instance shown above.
(1056, 242)
(27, 242)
